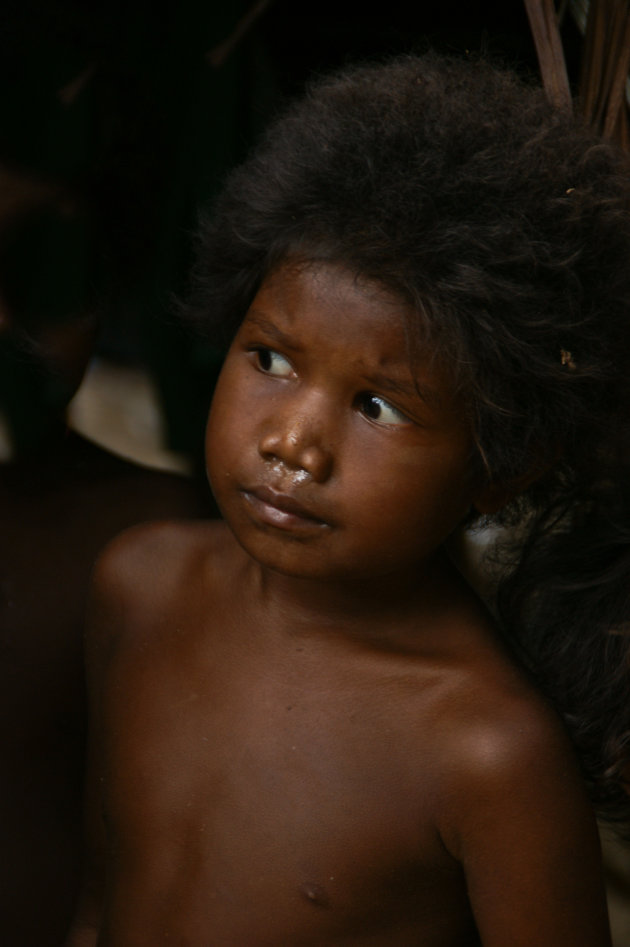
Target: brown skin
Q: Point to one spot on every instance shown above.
(59, 508)
(305, 728)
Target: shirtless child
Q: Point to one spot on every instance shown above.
(306, 729)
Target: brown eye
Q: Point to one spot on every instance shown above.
(272, 363)
(378, 409)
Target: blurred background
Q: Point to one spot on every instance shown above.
(117, 122)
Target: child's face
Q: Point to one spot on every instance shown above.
(325, 458)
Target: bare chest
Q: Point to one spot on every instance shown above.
(254, 805)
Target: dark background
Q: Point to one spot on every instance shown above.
(134, 112)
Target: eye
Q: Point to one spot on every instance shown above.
(378, 409)
(272, 363)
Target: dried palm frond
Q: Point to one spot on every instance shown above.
(544, 26)
(603, 81)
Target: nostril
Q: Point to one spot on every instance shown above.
(296, 441)
(318, 463)
(290, 455)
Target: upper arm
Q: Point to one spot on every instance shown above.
(103, 626)
(521, 826)
(136, 580)
(116, 603)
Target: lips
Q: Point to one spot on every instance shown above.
(281, 510)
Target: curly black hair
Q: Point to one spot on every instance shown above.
(505, 226)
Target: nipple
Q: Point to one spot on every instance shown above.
(316, 894)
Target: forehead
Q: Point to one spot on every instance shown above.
(330, 303)
(351, 320)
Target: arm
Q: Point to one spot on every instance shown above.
(104, 620)
(520, 824)
(132, 581)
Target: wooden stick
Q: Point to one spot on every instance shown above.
(616, 107)
(218, 54)
(544, 27)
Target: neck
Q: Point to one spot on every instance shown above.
(376, 609)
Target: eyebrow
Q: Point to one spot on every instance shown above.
(374, 379)
(271, 329)
(406, 389)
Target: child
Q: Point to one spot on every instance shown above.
(306, 728)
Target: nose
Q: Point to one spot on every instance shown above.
(296, 437)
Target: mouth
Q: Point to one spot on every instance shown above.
(281, 510)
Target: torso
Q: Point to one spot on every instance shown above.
(266, 789)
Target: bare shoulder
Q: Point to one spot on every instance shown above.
(505, 755)
(146, 570)
(154, 553)
(504, 721)
(511, 807)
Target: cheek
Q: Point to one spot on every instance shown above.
(224, 427)
(231, 431)
(428, 494)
